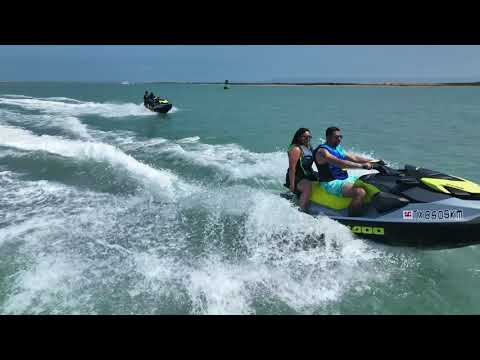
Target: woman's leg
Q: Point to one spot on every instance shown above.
(305, 188)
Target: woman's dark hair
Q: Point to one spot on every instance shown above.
(331, 130)
(296, 137)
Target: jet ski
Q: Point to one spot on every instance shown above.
(159, 105)
(409, 207)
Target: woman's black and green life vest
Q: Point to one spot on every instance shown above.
(303, 168)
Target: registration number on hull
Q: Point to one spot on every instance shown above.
(443, 214)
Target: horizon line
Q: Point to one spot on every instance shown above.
(259, 82)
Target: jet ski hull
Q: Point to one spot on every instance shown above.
(422, 235)
(161, 108)
(411, 207)
(449, 223)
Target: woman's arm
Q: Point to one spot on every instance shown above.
(293, 156)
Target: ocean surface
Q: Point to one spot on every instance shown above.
(107, 208)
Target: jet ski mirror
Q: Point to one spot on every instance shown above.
(379, 162)
(380, 168)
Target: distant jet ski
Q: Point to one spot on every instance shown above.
(410, 207)
(159, 105)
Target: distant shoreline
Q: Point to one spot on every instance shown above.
(381, 84)
(313, 84)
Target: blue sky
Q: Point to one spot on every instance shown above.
(240, 63)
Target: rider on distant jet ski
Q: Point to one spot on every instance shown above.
(151, 98)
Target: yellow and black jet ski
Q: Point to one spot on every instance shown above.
(411, 206)
(159, 105)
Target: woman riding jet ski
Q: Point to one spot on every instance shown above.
(156, 104)
(411, 206)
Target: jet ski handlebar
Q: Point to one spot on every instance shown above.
(384, 169)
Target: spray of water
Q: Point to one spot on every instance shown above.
(217, 249)
(72, 107)
(162, 180)
(70, 125)
(221, 252)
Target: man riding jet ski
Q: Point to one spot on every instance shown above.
(331, 161)
(155, 103)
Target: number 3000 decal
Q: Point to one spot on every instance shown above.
(367, 230)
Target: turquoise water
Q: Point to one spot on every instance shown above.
(107, 208)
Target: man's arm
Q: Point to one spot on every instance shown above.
(361, 160)
(357, 158)
(326, 156)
